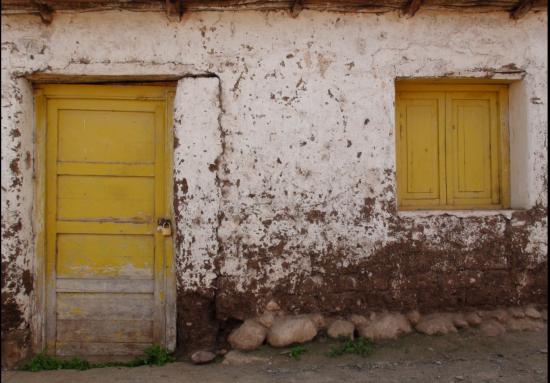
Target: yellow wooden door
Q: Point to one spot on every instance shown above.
(106, 186)
(472, 149)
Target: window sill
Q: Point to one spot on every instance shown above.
(458, 213)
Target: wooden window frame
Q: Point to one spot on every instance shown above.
(501, 90)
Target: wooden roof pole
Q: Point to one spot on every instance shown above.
(297, 7)
(174, 9)
(521, 9)
(45, 11)
(410, 9)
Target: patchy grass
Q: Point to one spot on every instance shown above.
(154, 355)
(297, 351)
(42, 362)
(359, 346)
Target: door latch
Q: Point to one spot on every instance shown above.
(164, 226)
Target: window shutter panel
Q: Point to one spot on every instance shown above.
(420, 149)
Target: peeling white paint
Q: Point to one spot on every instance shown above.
(304, 122)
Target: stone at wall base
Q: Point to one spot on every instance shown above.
(288, 330)
(249, 336)
(341, 329)
(436, 324)
(202, 357)
(385, 326)
(492, 328)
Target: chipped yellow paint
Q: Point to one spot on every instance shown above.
(92, 255)
(452, 146)
(106, 186)
(76, 311)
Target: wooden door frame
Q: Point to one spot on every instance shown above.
(39, 301)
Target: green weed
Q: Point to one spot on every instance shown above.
(297, 351)
(154, 355)
(359, 346)
(42, 362)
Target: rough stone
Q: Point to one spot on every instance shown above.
(532, 312)
(544, 314)
(500, 315)
(413, 317)
(385, 326)
(525, 324)
(202, 357)
(272, 306)
(288, 330)
(459, 320)
(341, 329)
(331, 320)
(492, 328)
(249, 336)
(473, 318)
(266, 319)
(516, 312)
(234, 357)
(436, 324)
(358, 320)
(319, 320)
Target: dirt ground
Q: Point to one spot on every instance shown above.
(464, 357)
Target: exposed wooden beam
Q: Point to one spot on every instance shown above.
(45, 11)
(297, 7)
(174, 9)
(521, 9)
(411, 8)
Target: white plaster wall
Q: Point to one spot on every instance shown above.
(198, 145)
(307, 123)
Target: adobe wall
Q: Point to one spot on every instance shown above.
(284, 165)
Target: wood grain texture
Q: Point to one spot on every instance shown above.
(113, 306)
(79, 285)
(109, 331)
(111, 256)
(523, 7)
(211, 5)
(100, 349)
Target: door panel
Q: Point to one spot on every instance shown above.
(95, 136)
(472, 144)
(105, 187)
(91, 197)
(96, 306)
(104, 256)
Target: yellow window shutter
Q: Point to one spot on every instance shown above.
(421, 148)
(472, 149)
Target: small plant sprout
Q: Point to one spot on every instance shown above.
(360, 346)
(297, 351)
